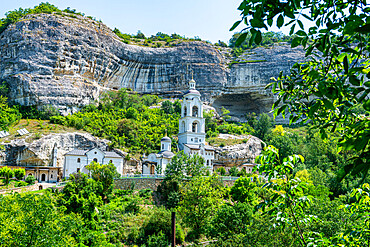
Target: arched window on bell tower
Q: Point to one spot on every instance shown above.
(195, 127)
(195, 111)
(182, 127)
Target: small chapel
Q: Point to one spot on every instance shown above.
(191, 136)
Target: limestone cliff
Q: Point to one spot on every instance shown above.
(67, 62)
(40, 151)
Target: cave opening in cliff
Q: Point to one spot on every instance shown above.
(240, 105)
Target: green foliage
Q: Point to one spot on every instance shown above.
(231, 220)
(221, 171)
(21, 184)
(329, 86)
(263, 126)
(244, 190)
(16, 15)
(35, 220)
(4, 88)
(30, 179)
(82, 196)
(19, 173)
(126, 119)
(7, 174)
(201, 197)
(160, 222)
(8, 115)
(185, 166)
(104, 175)
(268, 39)
(289, 197)
(233, 171)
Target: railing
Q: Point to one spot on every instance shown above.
(139, 176)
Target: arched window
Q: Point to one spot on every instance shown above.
(195, 127)
(182, 127)
(95, 159)
(111, 161)
(78, 160)
(207, 162)
(185, 111)
(43, 177)
(195, 111)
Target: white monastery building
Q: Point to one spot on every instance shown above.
(156, 163)
(77, 160)
(191, 136)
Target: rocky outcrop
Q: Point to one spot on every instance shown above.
(40, 152)
(68, 61)
(238, 154)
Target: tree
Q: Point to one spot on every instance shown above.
(263, 126)
(167, 107)
(221, 170)
(243, 190)
(329, 86)
(7, 174)
(201, 198)
(104, 174)
(8, 115)
(19, 173)
(233, 171)
(183, 165)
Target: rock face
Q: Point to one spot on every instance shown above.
(40, 152)
(239, 154)
(67, 62)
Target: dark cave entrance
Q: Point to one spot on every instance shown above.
(241, 104)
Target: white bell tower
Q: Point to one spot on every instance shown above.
(191, 123)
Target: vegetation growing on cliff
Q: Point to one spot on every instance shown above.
(155, 41)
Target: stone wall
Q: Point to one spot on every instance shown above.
(148, 183)
(20, 189)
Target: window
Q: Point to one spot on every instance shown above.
(195, 127)
(78, 160)
(78, 169)
(196, 139)
(182, 126)
(185, 111)
(94, 152)
(207, 162)
(111, 161)
(195, 111)
(95, 159)
(51, 176)
(162, 146)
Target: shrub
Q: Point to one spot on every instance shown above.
(30, 179)
(233, 171)
(21, 184)
(158, 240)
(221, 170)
(7, 174)
(19, 173)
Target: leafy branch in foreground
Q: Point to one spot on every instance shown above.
(333, 83)
(288, 198)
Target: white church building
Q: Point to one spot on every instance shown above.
(77, 160)
(191, 136)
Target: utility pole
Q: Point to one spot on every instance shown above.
(173, 219)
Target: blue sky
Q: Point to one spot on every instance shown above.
(210, 20)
